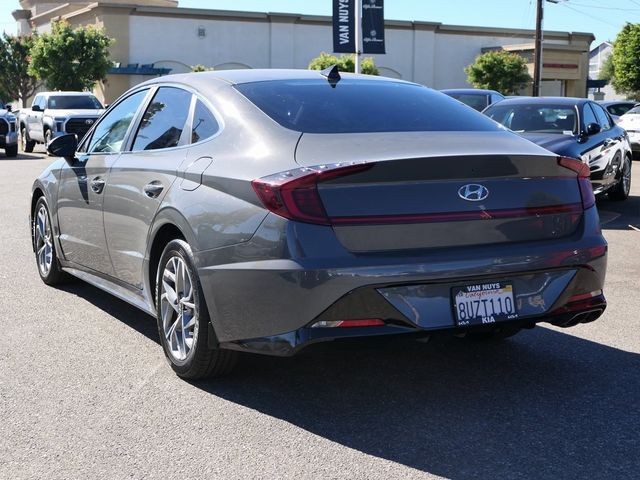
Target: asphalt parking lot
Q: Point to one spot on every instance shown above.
(85, 391)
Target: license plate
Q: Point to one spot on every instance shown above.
(484, 303)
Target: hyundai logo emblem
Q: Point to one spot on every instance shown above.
(473, 192)
(89, 121)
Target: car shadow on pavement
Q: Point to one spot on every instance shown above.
(619, 215)
(544, 404)
(125, 313)
(24, 156)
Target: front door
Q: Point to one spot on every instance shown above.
(141, 178)
(83, 186)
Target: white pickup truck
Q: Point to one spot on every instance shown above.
(56, 113)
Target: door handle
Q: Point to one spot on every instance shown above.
(608, 142)
(97, 185)
(153, 189)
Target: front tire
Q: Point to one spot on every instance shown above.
(27, 144)
(623, 187)
(183, 317)
(12, 151)
(46, 257)
(47, 141)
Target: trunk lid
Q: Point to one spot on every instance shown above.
(443, 189)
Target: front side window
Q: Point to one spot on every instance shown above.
(524, 118)
(603, 118)
(589, 116)
(110, 132)
(164, 120)
(204, 123)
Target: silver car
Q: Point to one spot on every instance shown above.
(266, 210)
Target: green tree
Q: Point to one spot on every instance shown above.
(200, 68)
(71, 58)
(15, 81)
(626, 60)
(607, 70)
(498, 70)
(346, 63)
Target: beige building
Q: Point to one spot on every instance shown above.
(154, 37)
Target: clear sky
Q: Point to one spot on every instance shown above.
(603, 18)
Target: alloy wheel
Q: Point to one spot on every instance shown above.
(44, 245)
(178, 309)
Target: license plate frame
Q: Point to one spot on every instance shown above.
(484, 303)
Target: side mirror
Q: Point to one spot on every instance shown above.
(8, 107)
(64, 146)
(36, 108)
(593, 128)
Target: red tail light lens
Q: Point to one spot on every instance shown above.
(584, 179)
(294, 194)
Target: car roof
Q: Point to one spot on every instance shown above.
(469, 91)
(564, 101)
(65, 94)
(236, 77)
(621, 102)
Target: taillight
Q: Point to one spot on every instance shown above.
(584, 179)
(294, 194)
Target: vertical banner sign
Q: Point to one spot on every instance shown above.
(344, 40)
(373, 26)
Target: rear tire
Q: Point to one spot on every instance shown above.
(46, 256)
(47, 141)
(623, 187)
(11, 151)
(27, 143)
(183, 318)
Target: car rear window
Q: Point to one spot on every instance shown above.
(535, 117)
(360, 106)
(73, 102)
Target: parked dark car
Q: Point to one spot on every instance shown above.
(576, 128)
(617, 109)
(266, 210)
(475, 98)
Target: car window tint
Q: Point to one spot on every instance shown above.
(358, 106)
(164, 120)
(534, 117)
(204, 123)
(603, 118)
(476, 101)
(588, 116)
(109, 133)
(74, 102)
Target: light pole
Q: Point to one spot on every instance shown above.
(537, 53)
(358, 33)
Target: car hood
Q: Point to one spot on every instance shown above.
(4, 112)
(555, 142)
(54, 112)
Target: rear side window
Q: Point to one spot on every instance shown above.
(204, 124)
(589, 116)
(163, 120)
(360, 106)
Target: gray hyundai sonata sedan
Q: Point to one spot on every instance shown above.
(266, 210)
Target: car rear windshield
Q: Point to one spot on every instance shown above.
(476, 101)
(360, 106)
(535, 117)
(73, 102)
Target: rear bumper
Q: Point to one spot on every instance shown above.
(265, 294)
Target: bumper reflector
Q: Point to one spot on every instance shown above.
(582, 302)
(363, 322)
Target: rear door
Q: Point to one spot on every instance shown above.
(83, 186)
(611, 146)
(142, 176)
